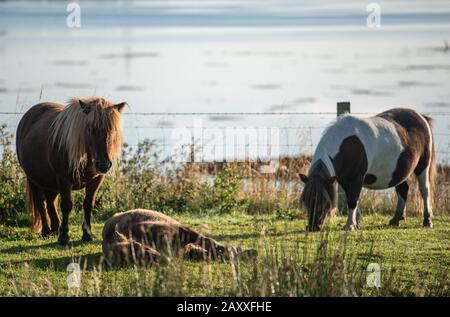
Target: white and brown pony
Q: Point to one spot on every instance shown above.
(376, 152)
(65, 148)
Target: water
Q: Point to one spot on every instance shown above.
(230, 56)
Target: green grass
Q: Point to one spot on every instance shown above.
(414, 261)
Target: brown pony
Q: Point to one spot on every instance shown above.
(143, 236)
(376, 152)
(65, 148)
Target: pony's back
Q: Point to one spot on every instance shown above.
(124, 220)
(41, 112)
(374, 132)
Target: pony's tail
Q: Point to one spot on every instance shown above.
(36, 221)
(432, 167)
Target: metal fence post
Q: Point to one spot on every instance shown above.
(192, 151)
(342, 108)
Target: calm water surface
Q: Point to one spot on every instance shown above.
(230, 56)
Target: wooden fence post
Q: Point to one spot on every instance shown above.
(342, 108)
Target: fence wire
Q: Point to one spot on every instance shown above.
(300, 137)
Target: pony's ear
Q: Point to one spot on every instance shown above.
(85, 106)
(303, 177)
(332, 180)
(119, 107)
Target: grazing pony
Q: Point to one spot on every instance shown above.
(376, 152)
(65, 148)
(143, 236)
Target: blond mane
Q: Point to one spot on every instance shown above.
(68, 130)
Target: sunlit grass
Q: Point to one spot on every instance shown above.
(291, 262)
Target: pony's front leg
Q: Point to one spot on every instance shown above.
(352, 219)
(402, 194)
(352, 191)
(66, 207)
(89, 202)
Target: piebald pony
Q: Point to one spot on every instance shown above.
(376, 152)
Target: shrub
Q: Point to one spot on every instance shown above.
(143, 179)
(12, 181)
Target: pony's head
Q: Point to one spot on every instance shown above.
(103, 131)
(318, 196)
(89, 131)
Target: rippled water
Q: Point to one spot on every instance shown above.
(230, 56)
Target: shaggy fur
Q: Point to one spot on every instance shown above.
(143, 236)
(68, 130)
(64, 148)
(318, 195)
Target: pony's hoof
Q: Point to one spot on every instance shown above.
(54, 229)
(46, 234)
(394, 223)
(350, 227)
(427, 224)
(87, 238)
(63, 241)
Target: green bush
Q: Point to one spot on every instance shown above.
(143, 179)
(12, 181)
(226, 190)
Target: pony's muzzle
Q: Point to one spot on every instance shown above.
(103, 166)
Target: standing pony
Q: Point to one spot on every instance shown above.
(376, 152)
(63, 149)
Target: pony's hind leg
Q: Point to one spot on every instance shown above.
(51, 198)
(66, 207)
(402, 194)
(40, 204)
(425, 191)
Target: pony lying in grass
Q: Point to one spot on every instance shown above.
(376, 152)
(62, 148)
(143, 236)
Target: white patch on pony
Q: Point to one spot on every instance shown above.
(379, 137)
(325, 159)
(353, 218)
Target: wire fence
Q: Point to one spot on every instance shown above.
(236, 136)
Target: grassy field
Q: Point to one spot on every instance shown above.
(238, 206)
(414, 261)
